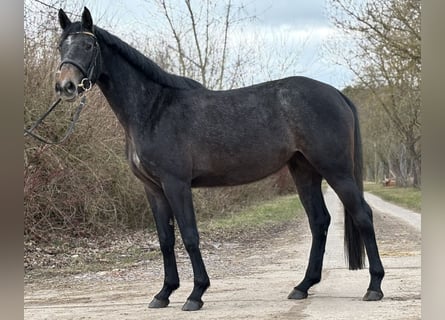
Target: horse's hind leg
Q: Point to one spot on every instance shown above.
(308, 183)
(355, 206)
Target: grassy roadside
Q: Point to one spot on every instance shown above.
(410, 198)
(258, 216)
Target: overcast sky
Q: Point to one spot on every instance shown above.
(300, 14)
(294, 18)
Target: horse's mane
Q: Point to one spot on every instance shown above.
(144, 64)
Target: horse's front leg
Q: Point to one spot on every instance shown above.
(179, 195)
(163, 217)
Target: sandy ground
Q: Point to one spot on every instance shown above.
(252, 281)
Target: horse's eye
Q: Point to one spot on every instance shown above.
(88, 46)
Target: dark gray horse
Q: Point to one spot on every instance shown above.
(181, 135)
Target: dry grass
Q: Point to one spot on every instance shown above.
(123, 250)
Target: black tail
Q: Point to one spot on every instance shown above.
(354, 246)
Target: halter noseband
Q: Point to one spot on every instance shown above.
(89, 77)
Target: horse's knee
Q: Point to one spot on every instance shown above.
(167, 244)
(320, 226)
(191, 242)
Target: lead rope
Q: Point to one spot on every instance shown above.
(68, 132)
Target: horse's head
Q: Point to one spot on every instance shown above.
(80, 56)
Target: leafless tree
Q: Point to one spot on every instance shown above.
(207, 40)
(386, 60)
(202, 46)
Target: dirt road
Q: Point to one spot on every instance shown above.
(252, 282)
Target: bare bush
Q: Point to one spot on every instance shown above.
(83, 186)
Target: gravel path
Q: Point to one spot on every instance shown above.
(410, 217)
(252, 281)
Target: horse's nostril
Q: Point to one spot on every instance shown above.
(70, 87)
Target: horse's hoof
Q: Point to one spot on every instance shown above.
(192, 305)
(373, 295)
(297, 295)
(156, 303)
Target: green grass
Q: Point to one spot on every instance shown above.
(410, 198)
(275, 211)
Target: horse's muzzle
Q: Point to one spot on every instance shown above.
(67, 80)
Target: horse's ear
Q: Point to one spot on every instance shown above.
(63, 19)
(87, 21)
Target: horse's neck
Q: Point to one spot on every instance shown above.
(126, 89)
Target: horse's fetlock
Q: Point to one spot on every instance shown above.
(203, 283)
(173, 286)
